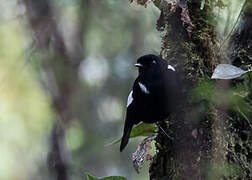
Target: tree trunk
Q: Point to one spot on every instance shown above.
(206, 130)
(59, 65)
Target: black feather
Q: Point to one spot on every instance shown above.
(155, 92)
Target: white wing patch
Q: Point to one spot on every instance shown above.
(143, 88)
(171, 68)
(130, 98)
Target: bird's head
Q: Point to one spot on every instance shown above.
(149, 63)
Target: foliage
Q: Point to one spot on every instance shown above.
(141, 129)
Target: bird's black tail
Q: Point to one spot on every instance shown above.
(126, 135)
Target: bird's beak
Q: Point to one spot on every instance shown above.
(138, 65)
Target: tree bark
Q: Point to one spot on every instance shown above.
(240, 53)
(204, 131)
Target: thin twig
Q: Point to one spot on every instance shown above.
(171, 138)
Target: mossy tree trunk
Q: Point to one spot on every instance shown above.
(209, 135)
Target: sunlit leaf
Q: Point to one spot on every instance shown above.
(227, 71)
(142, 129)
(89, 177)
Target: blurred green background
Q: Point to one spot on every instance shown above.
(116, 34)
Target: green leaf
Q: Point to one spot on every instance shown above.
(142, 129)
(89, 177)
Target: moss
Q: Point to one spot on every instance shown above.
(207, 134)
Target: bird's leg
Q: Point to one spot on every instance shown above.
(160, 127)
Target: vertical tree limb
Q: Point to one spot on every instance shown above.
(61, 67)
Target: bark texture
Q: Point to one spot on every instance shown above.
(240, 125)
(208, 132)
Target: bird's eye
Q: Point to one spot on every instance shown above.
(154, 62)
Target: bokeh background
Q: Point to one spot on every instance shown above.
(115, 34)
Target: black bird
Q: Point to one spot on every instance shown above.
(153, 96)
